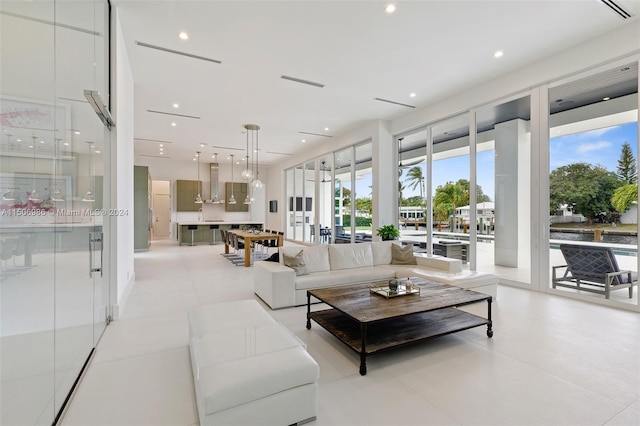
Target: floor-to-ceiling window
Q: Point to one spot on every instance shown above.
(412, 186)
(363, 192)
(593, 165)
(503, 189)
(344, 227)
(54, 286)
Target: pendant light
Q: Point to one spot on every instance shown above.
(247, 173)
(254, 128)
(199, 197)
(214, 197)
(232, 199)
(89, 197)
(10, 195)
(57, 196)
(34, 196)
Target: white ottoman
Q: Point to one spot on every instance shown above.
(257, 374)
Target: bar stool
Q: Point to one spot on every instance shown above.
(213, 233)
(192, 228)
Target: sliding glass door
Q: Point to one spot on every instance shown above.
(593, 169)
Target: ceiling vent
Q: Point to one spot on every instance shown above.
(174, 114)
(315, 134)
(299, 80)
(177, 52)
(394, 102)
(616, 8)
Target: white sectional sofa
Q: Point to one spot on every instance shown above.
(248, 369)
(342, 264)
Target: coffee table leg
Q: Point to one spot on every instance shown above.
(363, 353)
(490, 325)
(308, 311)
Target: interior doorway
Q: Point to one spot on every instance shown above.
(161, 207)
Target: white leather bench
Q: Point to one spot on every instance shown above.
(248, 369)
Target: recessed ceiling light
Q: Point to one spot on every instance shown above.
(19, 140)
(97, 152)
(66, 144)
(183, 36)
(194, 159)
(76, 132)
(174, 124)
(202, 145)
(498, 54)
(161, 153)
(161, 145)
(176, 105)
(326, 128)
(30, 146)
(390, 8)
(304, 140)
(41, 141)
(412, 95)
(606, 98)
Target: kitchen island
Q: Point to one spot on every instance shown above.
(208, 232)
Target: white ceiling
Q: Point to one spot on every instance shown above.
(359, 52)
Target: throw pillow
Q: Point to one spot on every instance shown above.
(402, 255)
(296, 263)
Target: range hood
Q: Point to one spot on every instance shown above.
(214, 168)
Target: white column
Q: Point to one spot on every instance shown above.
(385, 177)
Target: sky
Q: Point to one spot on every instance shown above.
(597, 147)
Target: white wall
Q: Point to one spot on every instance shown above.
(121, 253)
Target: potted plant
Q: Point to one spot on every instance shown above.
(388, 232)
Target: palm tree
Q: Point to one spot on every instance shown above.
(449, 196)
(415, 178)
(401, 189)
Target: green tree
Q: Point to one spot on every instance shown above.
(401, 189)
(416, 200)
(449, 197)
(589, 187)
(624, 196)
(364, 205)
(480, 195)
(627, 170)
(415, 179)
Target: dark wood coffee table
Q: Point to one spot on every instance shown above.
(369, 323)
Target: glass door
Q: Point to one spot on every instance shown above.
(593, 169)
(503, 189)
(54, 290)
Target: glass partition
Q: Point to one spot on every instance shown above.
(593, 187)
(289, 195)
(325, 198)
(54, 291)
(310, 233)
(344, 227)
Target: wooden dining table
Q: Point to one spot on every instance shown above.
(249, 237)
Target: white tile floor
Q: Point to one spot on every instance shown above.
(552, 361)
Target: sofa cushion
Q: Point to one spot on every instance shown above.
(347, 256)
(402, 255)
(344, 277)
(296, 263)
(381, 252)
(316, 258)
(229, 384)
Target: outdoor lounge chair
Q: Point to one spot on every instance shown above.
(593, 269)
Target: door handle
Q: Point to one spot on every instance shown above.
(93, 239)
